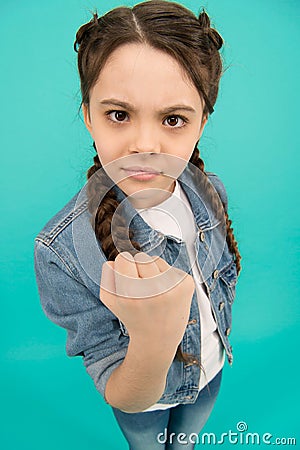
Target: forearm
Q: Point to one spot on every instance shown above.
(140, 380)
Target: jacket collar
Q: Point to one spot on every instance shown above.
(193, 182)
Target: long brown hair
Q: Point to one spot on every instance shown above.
(193, 43)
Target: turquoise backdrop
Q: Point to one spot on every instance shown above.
(252, 141)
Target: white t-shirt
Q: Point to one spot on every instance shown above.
(174, 217)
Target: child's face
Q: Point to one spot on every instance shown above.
(142, 134)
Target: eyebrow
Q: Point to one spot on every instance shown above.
(128, 107)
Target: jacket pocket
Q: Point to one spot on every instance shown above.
(228, 279)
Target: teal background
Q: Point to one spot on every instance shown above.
(252, 141)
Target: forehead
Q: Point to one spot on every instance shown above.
(138, 70)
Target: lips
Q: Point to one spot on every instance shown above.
(140, 169)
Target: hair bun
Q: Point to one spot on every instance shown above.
(214, 37)
(85, 31)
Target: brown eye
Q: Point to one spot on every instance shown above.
(176, 121)
(120, 115)
(116, 116)
(172, 120)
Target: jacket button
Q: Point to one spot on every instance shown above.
(202, 236)
(227, 331)
(192, 322)
(215, 274)
(191, 362)
(221, 305)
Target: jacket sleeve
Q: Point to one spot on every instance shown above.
(219, 187)
(93, 331)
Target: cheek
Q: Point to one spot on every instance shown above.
(107, 149)
(103, 159)
(183, 149)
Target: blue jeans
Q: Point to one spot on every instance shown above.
(163, 429)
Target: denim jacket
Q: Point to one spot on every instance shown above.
(68, 262)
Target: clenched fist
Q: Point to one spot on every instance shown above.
(149, 296)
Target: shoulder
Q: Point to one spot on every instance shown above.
(68, 241)
(61, 221)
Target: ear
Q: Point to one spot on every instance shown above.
(203, 123)
(86, 118)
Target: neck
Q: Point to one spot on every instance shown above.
(148, 198)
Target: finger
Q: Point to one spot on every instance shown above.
(146, 265)
(157, 275)
(125, 265)
(162, 265)
(174, 274)
(125, 273)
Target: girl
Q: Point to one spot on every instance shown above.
(140, 266)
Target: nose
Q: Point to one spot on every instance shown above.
(145, 140)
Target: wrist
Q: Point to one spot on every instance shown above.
(145, 349)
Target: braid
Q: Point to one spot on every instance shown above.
(103, 213)
(230, 239)
(208, 189)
